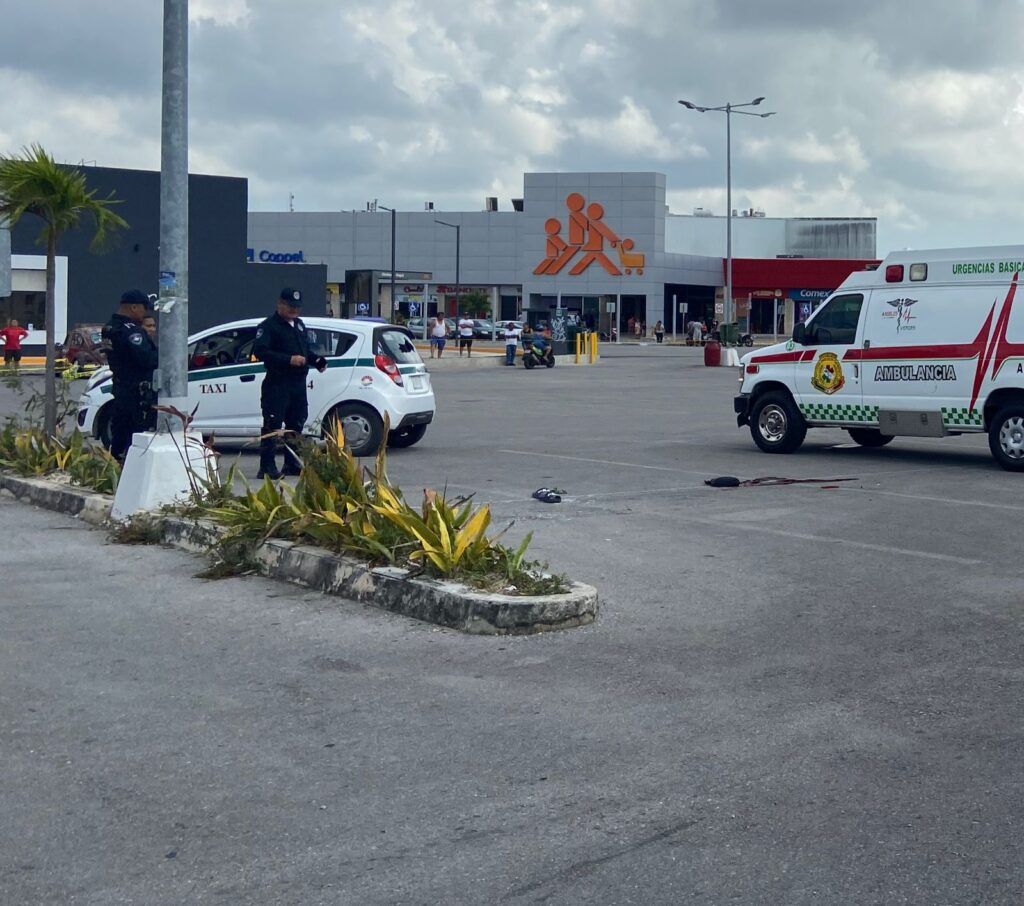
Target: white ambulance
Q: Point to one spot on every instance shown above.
(929, 344)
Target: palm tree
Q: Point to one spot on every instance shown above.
(35, 183)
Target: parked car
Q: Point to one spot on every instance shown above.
(373, 370)
(83, 346)
(482, 329)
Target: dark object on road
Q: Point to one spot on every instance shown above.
(745, 339)
(727, 481)
(548, 495)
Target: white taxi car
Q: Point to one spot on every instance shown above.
(373, 369)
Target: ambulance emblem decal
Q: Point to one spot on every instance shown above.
(828, 373)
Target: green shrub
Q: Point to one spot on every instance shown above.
(339, 504)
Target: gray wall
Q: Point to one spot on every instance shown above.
(347, 240)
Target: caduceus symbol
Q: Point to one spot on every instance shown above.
(902, 307)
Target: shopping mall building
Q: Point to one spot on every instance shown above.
(600, 245)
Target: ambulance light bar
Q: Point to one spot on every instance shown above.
(918, 272)
(894, 273)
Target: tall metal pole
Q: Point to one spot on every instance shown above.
(458, 253)
(728, 214)
(392, 264)
(174, 213)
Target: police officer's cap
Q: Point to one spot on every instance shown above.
(291, 296)
(134, 297)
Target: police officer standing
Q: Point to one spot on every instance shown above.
(282, 344)
(132, 358)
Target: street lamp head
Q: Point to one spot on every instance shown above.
(688, 105)
(756, 101)
(766, 115)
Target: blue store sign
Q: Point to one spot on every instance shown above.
(266, 256)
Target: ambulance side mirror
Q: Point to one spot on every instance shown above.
(800, 334)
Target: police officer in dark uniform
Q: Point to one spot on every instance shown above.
(132, 357)
(282, 344)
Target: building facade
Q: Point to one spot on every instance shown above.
(601, 246)
(223, 286)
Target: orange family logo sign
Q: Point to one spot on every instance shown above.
(587, 235)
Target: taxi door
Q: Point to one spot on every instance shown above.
(828, 385)
(224, 383)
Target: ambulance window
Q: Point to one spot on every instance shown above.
(836, 322)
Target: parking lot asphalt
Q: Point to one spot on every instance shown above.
(806, 693)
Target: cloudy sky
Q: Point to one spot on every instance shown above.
(910, 112)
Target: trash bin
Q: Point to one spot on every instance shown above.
(712, 353)
(729, 333)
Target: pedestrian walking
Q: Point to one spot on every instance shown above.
(132, 359)
(659, 331)
(466, 336)
(283, 345)
(11, 336)
(696, 332)
(511, 341)
(438, 334)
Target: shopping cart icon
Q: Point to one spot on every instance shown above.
(631, 260)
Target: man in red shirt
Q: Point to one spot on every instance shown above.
(11, 336)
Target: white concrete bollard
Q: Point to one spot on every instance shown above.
(156, 471)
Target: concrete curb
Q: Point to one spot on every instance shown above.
(443, 603)
(89, 506)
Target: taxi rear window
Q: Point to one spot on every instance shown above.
(398, 345)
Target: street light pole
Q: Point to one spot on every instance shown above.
(728, 109)
(173, 328)
(458, 248)
(392, 210)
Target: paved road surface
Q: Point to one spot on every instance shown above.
(793, 695)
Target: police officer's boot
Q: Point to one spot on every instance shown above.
(268, 456)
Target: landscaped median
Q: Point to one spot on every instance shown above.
(345, 530)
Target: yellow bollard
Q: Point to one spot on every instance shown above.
(578, 338)
(593, 348)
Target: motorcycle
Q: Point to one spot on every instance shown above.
(533, 357)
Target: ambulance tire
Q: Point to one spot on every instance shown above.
(869, 437)
(776, 424)
(1006, 437)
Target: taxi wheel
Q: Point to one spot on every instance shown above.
(776, 424)
(102, 426)
(363, 427)
(406, 437)
(869, 437)
(1006, 438)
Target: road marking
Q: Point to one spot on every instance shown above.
(819, 540)
(981, 503)
(603, 462)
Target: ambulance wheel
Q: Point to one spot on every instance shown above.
(776, 424)
(869, 437)
(362, 426)
(406, 437)
(1006, 438)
